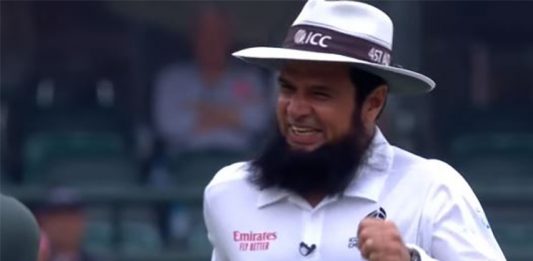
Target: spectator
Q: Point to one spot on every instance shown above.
(209, 103)
(62, 221)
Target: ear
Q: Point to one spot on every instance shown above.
(373, 105)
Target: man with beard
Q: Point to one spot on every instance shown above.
(329, 186)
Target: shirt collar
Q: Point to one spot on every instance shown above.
(369, 180)
(373, 171)
(269, 196)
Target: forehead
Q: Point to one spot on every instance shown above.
(315, 71)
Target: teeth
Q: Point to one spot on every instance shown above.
(303, 131)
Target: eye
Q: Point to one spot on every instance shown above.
(321, 95)
(286, 89)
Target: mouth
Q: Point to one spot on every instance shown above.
(305, 131)
(304, 137)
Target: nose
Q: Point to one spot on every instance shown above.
(298, 108)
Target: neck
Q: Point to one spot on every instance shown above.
(371, 130)
(314, 198)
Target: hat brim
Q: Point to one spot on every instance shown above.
(399, 80)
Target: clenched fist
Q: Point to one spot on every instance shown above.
(380, 240)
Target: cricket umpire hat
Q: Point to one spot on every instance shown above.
(342, 31)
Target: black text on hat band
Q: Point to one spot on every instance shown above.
(318, 39)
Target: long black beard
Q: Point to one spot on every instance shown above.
(328, 169)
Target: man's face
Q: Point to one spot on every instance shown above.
(212, 39)
(315, 104)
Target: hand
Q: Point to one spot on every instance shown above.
(380, 240)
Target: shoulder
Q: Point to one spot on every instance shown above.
(229, 174)
(434, 182)
(230, 179)
(433, 172)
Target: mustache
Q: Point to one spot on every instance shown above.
(307, 122)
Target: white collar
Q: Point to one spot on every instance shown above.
(373, 172)
(271, 195)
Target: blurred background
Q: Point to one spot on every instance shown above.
(115, 114)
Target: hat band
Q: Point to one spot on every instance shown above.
(319, 39)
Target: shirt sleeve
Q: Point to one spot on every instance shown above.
(217, 254)
(454, 225)
(423, 255)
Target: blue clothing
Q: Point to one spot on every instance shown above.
(180, 87)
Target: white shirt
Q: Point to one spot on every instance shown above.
(431, 204)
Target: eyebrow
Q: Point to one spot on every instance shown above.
(321, 88)
(315, 87)
(283, 80)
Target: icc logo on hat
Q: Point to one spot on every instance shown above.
(317, 39)
(299, 36)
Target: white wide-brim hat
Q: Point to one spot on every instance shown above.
(346, 32)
